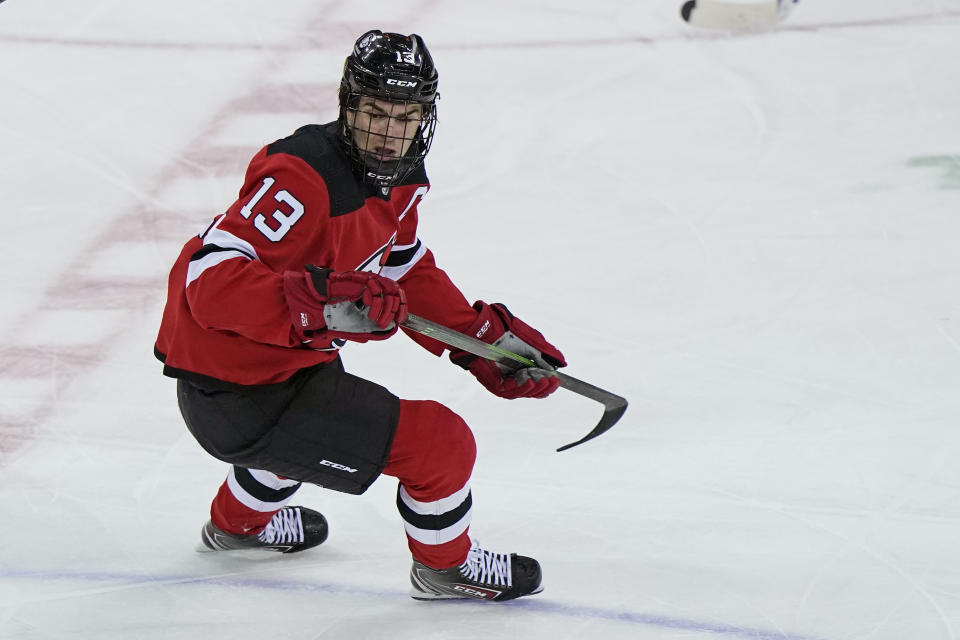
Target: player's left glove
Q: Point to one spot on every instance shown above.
(496, 325)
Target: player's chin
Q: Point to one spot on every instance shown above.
(384, 157)
(382, 165)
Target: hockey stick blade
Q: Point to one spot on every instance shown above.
(614, 406)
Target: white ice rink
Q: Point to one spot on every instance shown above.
(756, 239)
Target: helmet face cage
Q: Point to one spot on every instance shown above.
(386, 140)
(388, 106)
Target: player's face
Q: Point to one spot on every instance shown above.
(383, 129)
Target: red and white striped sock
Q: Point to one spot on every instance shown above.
(248, 499)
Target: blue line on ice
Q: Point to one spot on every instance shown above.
(535, 605)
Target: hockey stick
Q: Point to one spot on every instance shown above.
(613, 405)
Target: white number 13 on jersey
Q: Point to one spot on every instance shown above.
(284, 221)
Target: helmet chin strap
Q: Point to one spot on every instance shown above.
(384, 172)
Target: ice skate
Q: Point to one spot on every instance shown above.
(291, 529)
(483, 576)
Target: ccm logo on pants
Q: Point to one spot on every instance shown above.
(336, 465)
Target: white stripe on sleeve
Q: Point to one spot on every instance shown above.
(397, 272)
(197, 267)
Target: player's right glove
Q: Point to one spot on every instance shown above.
(496, 325)
(352, 305)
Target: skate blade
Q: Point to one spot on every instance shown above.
(416, 594)
(251, 551)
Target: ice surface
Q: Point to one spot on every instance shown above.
(755, 239)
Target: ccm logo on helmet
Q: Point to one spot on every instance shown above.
(401, 83)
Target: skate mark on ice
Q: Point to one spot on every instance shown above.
(123, 581)
(310, 43)
(113, 300)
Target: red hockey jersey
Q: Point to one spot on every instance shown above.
(226, 321)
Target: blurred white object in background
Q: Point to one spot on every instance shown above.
(736, 15)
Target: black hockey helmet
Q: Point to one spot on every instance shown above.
(398, 69)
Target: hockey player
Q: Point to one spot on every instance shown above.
(321, 250)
